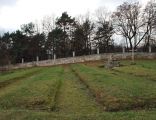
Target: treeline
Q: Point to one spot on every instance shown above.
(83, 35)
(68, 36)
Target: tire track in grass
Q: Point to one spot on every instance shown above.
(53, 105)
(8, 93)
(90, 91)
(34, 93)
(119, 104)
(73, 98)
(147, 77)
(6, 83)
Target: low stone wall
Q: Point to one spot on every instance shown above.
(81, 59)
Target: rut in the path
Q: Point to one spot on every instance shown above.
(73, 97)
(6, 83)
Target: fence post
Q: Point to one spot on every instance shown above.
(133, 54)
(37, 58)
(54, 56)
(73, 53)
(150, 49)
(123, 52)
(98, 51)
(22, 60)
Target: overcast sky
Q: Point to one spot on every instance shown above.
(13, 13)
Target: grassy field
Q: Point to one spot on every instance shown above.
(80, 92)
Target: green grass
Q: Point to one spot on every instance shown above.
(39, 115)
(16, 73)
(80, 92)
(118, 91)
(35, 92)
(73, 97)
(145, 69)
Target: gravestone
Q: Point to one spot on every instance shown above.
(111, 63)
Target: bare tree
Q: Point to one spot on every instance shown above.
(80, 19)
(104, 29)
(37, 27)
(149, 17)
(84, 33)
(127, 21)
(102, 15)
(48, 24)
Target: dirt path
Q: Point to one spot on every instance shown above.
(73, 96)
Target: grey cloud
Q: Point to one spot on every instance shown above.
(7, 2)
(117, 1)
(112, 4)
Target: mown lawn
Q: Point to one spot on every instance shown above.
(118, 89)
(80, 92)
(36, 92)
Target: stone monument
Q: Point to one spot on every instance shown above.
(111, 63)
